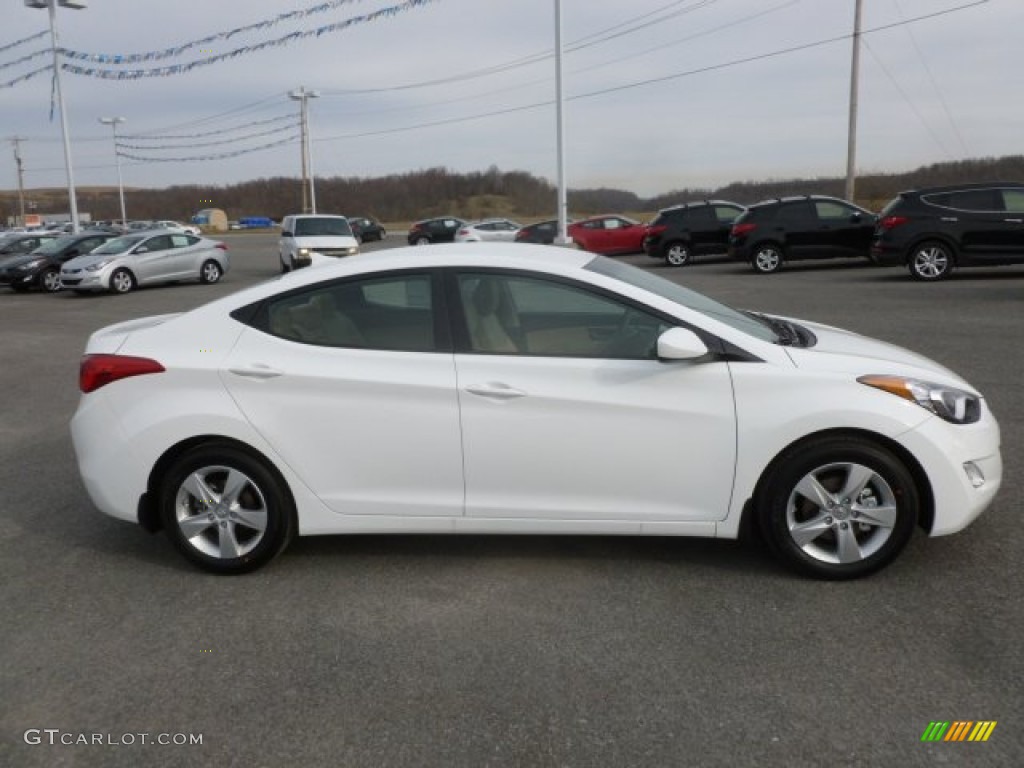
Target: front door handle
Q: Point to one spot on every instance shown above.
(1016, 221)
(257, 371)
(495, 390)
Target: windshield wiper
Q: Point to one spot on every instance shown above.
(785, 332)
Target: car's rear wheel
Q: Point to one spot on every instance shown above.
(122, 281)
(767, 258)
(49, 281)
(225, 510)
(931, 261)
(677, 255)
(421, 240)
(837, 507)
(210, 272)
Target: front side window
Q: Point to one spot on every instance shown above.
(829, 211)
(386, 313)
(519, 315)
(120, 244)
(159, 243)
(1013, 200)
(727, 214)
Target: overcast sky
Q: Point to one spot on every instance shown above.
(467, 84)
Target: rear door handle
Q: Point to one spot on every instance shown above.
(1016, 221)
(495, 390)
(257, 371)
(950, 218)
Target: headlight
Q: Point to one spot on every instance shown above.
(953, 405)
(304, 251)
(98, 265)
(352, 250)
(30, 265)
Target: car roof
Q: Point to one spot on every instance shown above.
(699, 204)
(965, 187)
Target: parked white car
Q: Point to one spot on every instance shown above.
(488, 230)
(188, 229)
(146, 258)
(521, 389)
(305, 234)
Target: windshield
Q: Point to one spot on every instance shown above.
(52, 246)
(323, 225)
(682, 296)
(119, 244)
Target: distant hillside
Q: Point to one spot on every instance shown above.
(438, 191)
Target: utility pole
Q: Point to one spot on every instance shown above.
(16, 141)
(303, 96)
(851, 145)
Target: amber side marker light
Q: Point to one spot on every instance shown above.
(99, 370)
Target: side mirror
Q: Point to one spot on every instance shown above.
(286, 233)
(680, 344)
(855, 218)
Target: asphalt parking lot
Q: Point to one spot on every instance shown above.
(505, 651)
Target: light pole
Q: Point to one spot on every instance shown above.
(112, 122)
(561, 236)
(51, 6)
(303, 96)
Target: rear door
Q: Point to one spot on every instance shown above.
(1012, 239)
(353, 383)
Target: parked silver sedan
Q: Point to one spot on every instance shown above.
(146, 258)
(488, 230)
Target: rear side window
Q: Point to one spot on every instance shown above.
(701, 218)
(979, 200)
(795, 215)
(392, 313)
(726, 214)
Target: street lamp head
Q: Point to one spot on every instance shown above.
(75, 4)
(301, 93)
(111, 120)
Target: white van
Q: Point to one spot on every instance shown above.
(305, 234)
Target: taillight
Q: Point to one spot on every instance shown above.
(99, 370)
(739, 230)
(222, 246)
(891, 222)
(463, 232)
(655, 229)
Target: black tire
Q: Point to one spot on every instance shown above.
(766, 258)
(863, 530)
(210, 272)
(931, 261)
(49, 280)
(677, 254)
(122, 281)
(225, 536)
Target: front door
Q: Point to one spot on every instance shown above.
(568, 414)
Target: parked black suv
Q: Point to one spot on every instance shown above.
(440, 230)
(934, 230)
(791, 228)
(679, 233)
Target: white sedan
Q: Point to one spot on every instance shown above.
(521, 389)
(488, 230)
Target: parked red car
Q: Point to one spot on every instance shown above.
(608, 235)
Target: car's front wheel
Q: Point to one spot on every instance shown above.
(767, 258)
(421, 240)
(931, 261)
(122, 281)
(49, 281)
(210, 272)
(837, 507)
(677, 255)
(225, 510)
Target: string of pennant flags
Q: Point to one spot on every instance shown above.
(234, 140)
(174, 136)
(23, 40)
(108, 73)
(220, 156)
(178, 50)
(23, 59)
